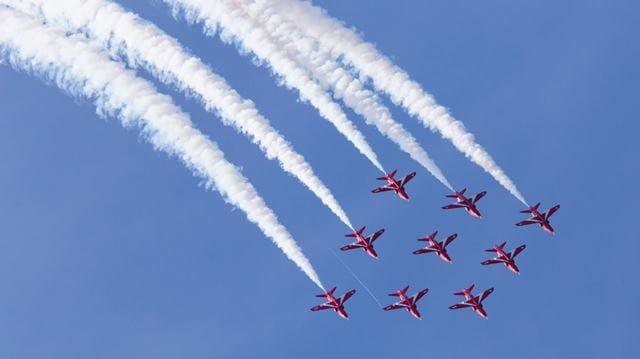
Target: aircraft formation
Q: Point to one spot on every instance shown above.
(409, 303)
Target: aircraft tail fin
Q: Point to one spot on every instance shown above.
(502, 245)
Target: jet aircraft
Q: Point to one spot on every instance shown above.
(503, 257)
(408, 303)
(395, 185)
(366, 243)
(438, 247)
(469, 204)
(336, 304)
(472, 301)
(541, 219)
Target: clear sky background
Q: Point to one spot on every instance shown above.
(111, 250)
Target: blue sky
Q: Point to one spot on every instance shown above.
(111, 250)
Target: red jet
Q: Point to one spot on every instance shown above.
(503, 257)
(539, 218)
(336, 304)
(435, 246)
(469, 204)
(365, 243)
(409, 303)
(395, 185)
(472, 301)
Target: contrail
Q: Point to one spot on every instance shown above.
(250, 37)
(84, 71)
(356, 277)
(329, 73)
(345, 44)
(144, 44)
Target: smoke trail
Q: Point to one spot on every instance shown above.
(143, 44)
(330, 74)
(343, 43)
(83, 71)
(251, 37)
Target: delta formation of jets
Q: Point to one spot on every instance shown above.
(440, 248)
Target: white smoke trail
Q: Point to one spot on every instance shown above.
(144, 44)
(330, 74)
(252, 38)
(83, 71)
(345, 44)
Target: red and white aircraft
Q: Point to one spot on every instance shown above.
(408, 303)
(469, 204)
(504, 257)
(472, 301)
(539, 218)
(395, 185)
(435, 246)
(336, 304)
(366, 243)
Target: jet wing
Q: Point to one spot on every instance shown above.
(460, 305)
(450, 239)
(351, 246)
(346, 296)
(424, 250)
(553, 210)
(479, 196)
(527, 222)
(517, 251)
(376, 235)
(420, 294)
(452, 206)
(382, 189)
(322, 307)
(408, 178)
(486, 294)
(398, 305)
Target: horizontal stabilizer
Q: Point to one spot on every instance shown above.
(329, 292)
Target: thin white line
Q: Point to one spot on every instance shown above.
(356, 277)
